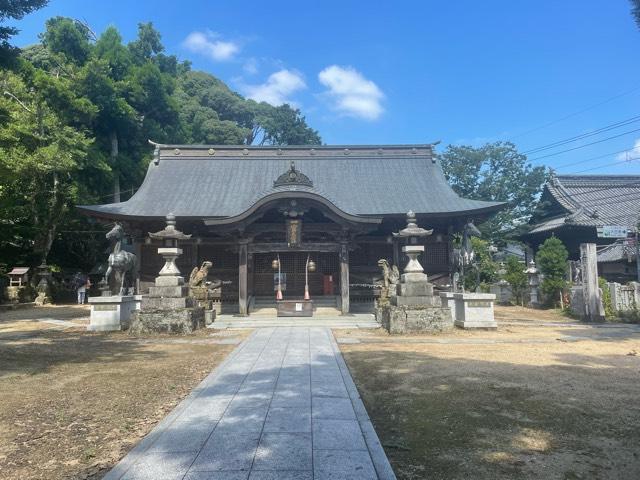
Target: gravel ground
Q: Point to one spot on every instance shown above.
(72, 403)
(535, 402)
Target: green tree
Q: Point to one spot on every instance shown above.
(552, 263)
(68, 38)
(635, 11)
(40, 156)
(517, 278)
(14, 9)
(212, 113)
(484, 271)
(495, 172)
(74, 126)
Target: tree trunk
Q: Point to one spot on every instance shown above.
(116, 174)
(47, 231)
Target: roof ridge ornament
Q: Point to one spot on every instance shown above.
(293, 176)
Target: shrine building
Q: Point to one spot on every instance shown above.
(335, 205)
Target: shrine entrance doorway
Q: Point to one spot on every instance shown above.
(324, 281)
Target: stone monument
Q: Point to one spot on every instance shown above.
(112, 311)
(414, 308)
(168, 308)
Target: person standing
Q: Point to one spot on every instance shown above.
(83, 283)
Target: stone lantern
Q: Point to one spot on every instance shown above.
(168, 307)
(170, 274)
(534, 281)
(414, 308)
(413, 271)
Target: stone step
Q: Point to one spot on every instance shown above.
(272, 312)
(337, 321)
(291, 323)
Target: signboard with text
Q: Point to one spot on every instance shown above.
(612, 231)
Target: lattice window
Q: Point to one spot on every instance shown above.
(436, 254)
(368, 254)
(221, 256)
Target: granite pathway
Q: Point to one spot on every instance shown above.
(282, 406)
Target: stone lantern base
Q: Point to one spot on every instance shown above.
(168, 309)
(414, 319)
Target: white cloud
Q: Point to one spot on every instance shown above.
(631, 154)
(278, 87)
(250, 66)
(209, 44)
(352, 93)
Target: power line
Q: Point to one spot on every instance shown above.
(607, 165)
(586, 160)
(606, 128)
(585, 145)
(586, 109)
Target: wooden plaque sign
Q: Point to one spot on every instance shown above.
(294, 232)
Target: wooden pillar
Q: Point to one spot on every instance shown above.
(344, 277)
(251, 270)
(396, 252)
(243, 297)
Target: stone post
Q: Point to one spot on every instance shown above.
(593, 308)
(243, 260)
(534, 281)
(344, 277)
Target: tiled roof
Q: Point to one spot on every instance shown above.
(616, 252)
(223, 181)
(592, 200)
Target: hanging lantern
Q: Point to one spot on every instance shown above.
(312, 266)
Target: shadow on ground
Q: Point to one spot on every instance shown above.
(457, 415)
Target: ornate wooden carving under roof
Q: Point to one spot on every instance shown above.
(293, 176)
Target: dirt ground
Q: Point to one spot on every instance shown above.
(72, 403)
(543, 397)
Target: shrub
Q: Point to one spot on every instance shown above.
(552, 262)
(517, 278)
(609, 312)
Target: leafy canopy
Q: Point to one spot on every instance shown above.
(495, 172)
(13, 9)
(75, 122)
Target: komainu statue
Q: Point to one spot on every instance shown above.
(201, 289)
(198, 276)
(391, 276)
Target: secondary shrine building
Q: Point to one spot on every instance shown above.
(336, 205)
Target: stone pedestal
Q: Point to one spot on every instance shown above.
(168, 308)
(502, 291)
(185, 320)
(111, 313)
(475, 310)
(399, 320)
(447, 300)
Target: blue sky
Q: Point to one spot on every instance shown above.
(463, 72)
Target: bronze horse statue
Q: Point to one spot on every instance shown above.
(120, 262)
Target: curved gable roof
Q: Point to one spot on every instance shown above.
(223, 181)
